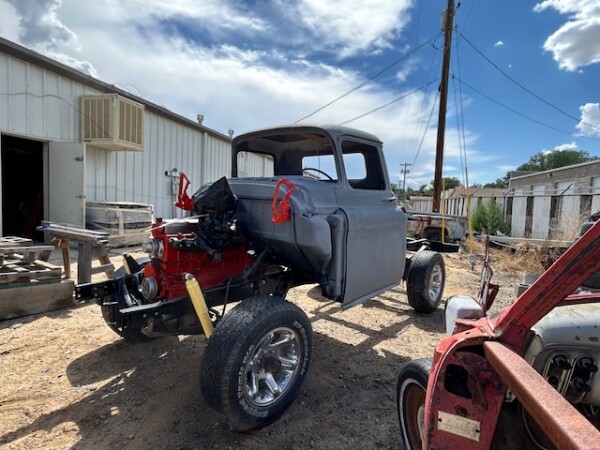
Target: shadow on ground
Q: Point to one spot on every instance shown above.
(148, 395)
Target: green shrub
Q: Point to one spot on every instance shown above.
(489, 218)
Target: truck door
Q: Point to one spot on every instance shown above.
(376, 238)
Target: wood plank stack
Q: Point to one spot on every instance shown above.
(27, 284)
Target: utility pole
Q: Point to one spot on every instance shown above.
(447, 24)
(404, 171)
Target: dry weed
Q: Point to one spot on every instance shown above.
(516, 258)
(522, 259)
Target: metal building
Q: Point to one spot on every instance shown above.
(68, 138)
(553, 203)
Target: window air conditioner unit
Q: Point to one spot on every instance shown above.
(112, 122)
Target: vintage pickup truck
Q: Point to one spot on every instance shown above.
(321, 212)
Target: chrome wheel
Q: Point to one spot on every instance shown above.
(272, 367)
(436, 282)
(425, 282)
(256, 361)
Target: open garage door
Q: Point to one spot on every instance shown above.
(22, 186)
(66, 182)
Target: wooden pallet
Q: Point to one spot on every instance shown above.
(14, 241)
(27, 284)
(20, 269)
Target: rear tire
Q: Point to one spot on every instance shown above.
(426, 280)
(256, 361)
(411, 394)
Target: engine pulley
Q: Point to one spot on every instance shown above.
(154, 248)
(149, 288)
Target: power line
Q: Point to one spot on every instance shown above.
(533, 94)
(419, 182)
(389, 103)
(412, 72)
(434, 69)
(30, 94)
(518, 113)
(405, 171)
(385, 69)
(461, 122)
(426, 127)
(458, 129)
(464, 25)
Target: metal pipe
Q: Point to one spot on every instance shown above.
(560, 421)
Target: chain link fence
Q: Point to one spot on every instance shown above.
(529, 215)
(556, 216)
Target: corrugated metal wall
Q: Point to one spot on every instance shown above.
(39, 104)
(251, 164)
(141, 176)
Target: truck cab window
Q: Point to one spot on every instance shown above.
(363, 166)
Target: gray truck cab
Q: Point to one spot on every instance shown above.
(345, 228)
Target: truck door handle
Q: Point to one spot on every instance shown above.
(390, 199)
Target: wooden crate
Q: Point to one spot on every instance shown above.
(127, 223)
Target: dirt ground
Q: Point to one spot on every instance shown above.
(67, 381)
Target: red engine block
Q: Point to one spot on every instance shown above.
(210, 271)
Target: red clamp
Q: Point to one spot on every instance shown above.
(183, 199)
(282, 214)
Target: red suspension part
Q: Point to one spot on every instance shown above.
(282, 213)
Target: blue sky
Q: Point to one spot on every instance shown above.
(253, 64)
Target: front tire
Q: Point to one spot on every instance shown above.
(411, 394)
(256, 361)
(426, 280)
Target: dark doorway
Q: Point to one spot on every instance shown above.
(22, 186)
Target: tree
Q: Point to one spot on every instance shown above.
(449, 182)
(489, 218)
(501, 183)
(555, 159)
(546, 161)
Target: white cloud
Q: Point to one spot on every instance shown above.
(355, 25)
(240, 86)
(9, 24)
(499, 44)
(211, 14)
(567, 146)
(506, 168)
(40, 25)
(40, 28)
(409, 66)
(575, 43)
(590, 120)
(83, 66)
